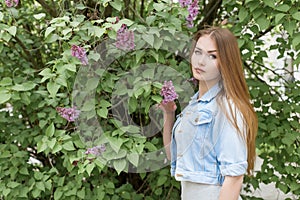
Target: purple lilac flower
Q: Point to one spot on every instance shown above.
(79, 53)
(11, 3)
(193, 9)
(125, 38)
(193, 81)
(97, 150)
(184, 3)
(168, 92)
(70, 114)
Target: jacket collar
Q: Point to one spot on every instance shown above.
(209, 95)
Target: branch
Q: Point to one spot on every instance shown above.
(261, 80)
(50, 9)
(28, 54)
(262, 33)
(273, 71)
(137, 14)
(142, 8)
(210, 11)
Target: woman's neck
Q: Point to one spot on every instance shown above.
(204, 87)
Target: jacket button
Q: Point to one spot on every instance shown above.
(196, 120)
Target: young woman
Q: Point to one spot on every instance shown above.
(213, 139)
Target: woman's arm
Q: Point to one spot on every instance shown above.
(231, 188)
(167, 132)
(169, 117)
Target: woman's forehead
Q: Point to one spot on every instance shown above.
(206, 43)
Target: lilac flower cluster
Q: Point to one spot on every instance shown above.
(168, 92)
(193, 81)
(11, 3)
(184, 3)
(125, 38)
(97, 150)
(193, 9)
(79, 53)
(70, 114)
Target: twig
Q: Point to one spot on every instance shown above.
(137, 14)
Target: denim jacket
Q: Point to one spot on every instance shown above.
(205, 147)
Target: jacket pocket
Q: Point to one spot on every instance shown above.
(202, 121)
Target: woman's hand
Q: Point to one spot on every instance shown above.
(168, 108)
(169, 116)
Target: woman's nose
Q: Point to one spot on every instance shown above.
(202, 60)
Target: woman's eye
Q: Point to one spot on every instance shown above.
(212, 57)
(197, 52)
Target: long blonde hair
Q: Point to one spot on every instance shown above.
(234, 86)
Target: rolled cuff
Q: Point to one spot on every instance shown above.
(235, 169)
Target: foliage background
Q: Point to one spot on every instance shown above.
(38, 73)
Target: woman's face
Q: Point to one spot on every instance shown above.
(204, 61)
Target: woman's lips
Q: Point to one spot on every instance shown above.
(199, 70)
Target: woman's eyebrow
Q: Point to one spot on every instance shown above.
(210, 51)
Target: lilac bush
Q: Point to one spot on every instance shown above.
(168, 92)
(193, 9)
(79, 53)
(11, 3)
(125, 38)
(70, 114)
(97, 150)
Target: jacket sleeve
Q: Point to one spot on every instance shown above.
(231, 148)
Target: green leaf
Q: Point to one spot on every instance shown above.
(12, 30)
(262, 22)
(1, 16)
(70, 67)
(283, 187)
(6, 81)
(81, 193)
(52, 38)
(40, 185)
(51, 143)
(57, 147)
(52, 88)
(13, 184)
(50, 130)
(98, 32)
(41, 146)
(4, 97)
(270, 3)
(6, 191)
(24, 171)
(157, 43)
(133, 158)
(102, 112)
(24, 87)
(115, 143)
(116, 5)
(89, 168)
(278, 17)
(58, 194)
(128, 22)
(161, 180)
(296, 40)
(243, 13)
(159, 6)
(92, 84)
(296, 16)
(283, 7)
(157, 98)
(49, 30)
(148, 38)
(69, 146)
(39, 16)
(119, 165)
